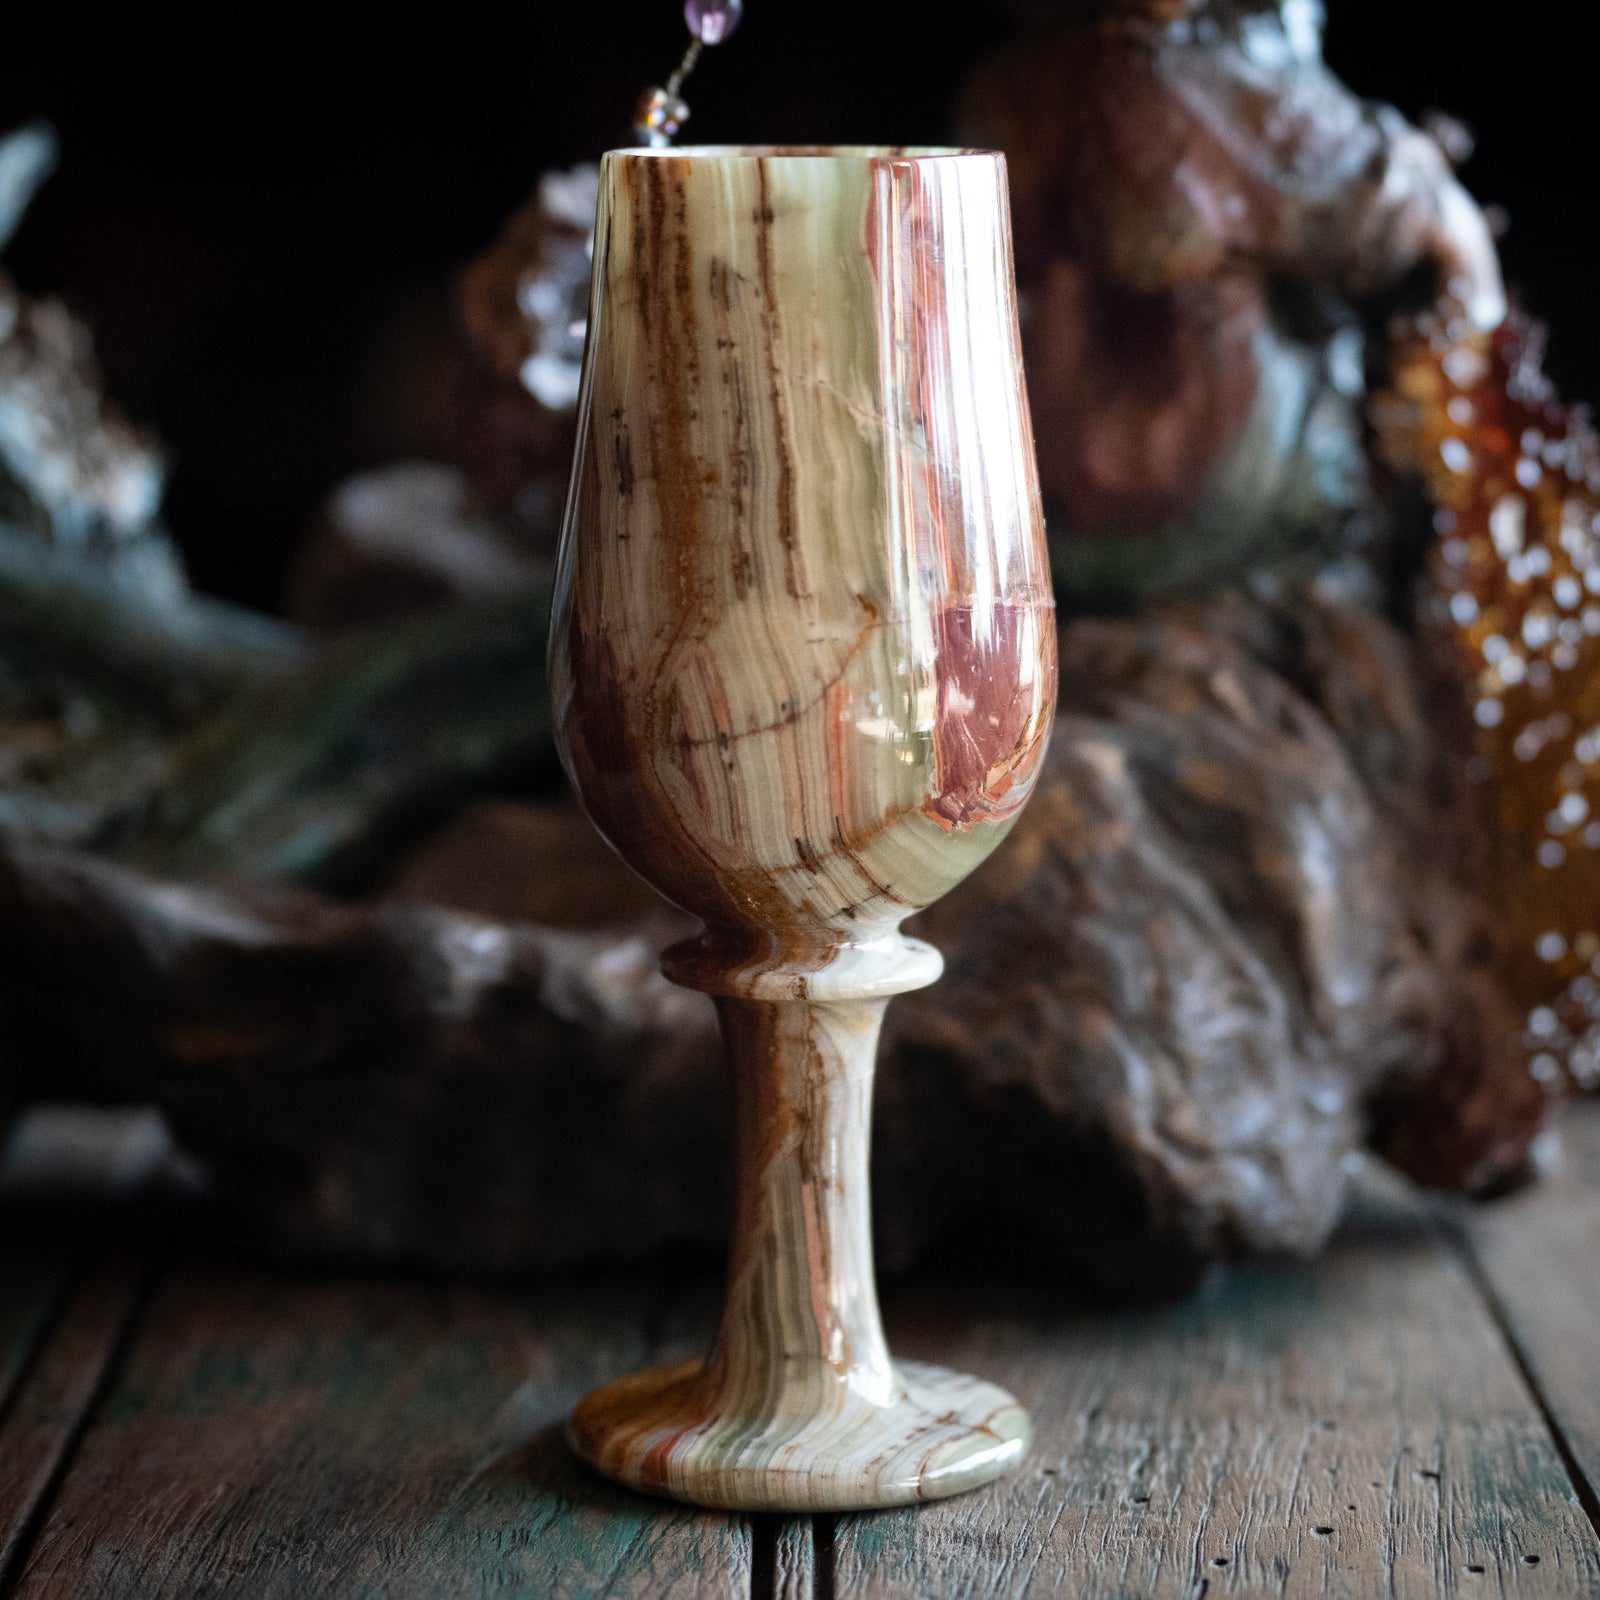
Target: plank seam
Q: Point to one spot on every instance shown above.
(764, 1556)
(49, 1324)
(1460, 1242)
(824, 1540)
(15, 1562)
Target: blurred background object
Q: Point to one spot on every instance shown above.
(283, 847)
(264, 239)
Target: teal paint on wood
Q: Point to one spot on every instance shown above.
(794, 1575)
(1539, 1254)
(283, 1437)
(1354, 1427)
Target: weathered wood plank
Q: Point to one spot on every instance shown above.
(283, 1437)
(44, 1419)
(35, 1271)
(1539, 1254)
(67, 1288)
(1355, 1427)
(61, 1175)
(38, 1260)
(784, 1564)
(796, 1564)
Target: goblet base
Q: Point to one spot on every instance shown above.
(660, 1431)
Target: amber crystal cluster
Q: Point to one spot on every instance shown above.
(1511, 602)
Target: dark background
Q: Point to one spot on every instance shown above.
(260, 212)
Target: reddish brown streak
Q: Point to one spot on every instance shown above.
(990, 734)
(989, 738)
(783, 451)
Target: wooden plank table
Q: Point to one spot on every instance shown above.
(1418, 1413)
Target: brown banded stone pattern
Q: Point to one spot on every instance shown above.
(804, 653)
(803, 659)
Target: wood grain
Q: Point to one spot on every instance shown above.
(76, 1237)
(784, 1565)
(44, 1420)
(38, 1260)
(35, 1270)
(795, 1569)
(63, 1174)
(280, 1437)
(1539, 1255)
(1356, 1427)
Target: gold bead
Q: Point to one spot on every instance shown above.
(657, 118)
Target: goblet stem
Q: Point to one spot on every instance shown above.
(801, 1315)
(799, 1407)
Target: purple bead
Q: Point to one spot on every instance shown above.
(711, 21)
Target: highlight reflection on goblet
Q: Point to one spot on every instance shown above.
(803, 658)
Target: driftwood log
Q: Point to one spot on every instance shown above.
(1211, 965)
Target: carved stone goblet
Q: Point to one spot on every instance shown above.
(803, 659)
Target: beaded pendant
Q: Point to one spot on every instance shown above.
(662, 111)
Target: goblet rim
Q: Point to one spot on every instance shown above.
(861, 153)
